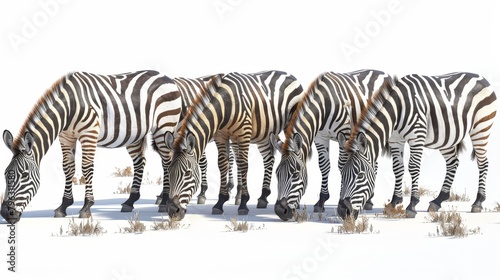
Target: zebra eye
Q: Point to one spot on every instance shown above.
(188, 173)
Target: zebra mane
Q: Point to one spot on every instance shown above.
(39, 108)
(195, 109)
(296, 114)
(373, 106)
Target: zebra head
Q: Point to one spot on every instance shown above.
(185, 175)
(358, 178)
(22, 177)
(292, 176)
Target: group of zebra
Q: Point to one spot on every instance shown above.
(367, 112)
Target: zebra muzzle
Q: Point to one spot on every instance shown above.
(9, 214)
(282, 209)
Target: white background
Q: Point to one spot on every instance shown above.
(42, 40)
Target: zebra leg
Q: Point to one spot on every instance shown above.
(89, 144)
(398, 168)
(136, 152)
(223, 163)
(482, 164)
(268, 158)
(68, 147)
(242, 163)
(204, 186)
(323, 148)
(451, 157)
(416, 150)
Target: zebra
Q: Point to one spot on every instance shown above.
(108, 111)
(189, 89)
(243, 109)
(435, 112)
(325, 113)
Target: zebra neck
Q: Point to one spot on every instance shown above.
(45, 123)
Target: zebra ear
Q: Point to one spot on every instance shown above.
(7, 139)
(362, 142)
(190, 142)
(28, 142)
(276, 142)
(169, 140)
(341, 139)
(297, 142)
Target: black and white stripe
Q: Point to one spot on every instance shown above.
(327, 111)
(242, 109)
(98, 111)
(435, 112)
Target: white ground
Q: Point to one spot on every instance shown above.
(44, 39)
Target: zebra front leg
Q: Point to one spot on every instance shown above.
(163, 206)
(223, 164)
(242, 163)
(416, 151)
(323, 148)
(398, 168)
(136, 152)
(68, 147)
(88, 174)
(267, 153)
(204, 186)
(451, 157)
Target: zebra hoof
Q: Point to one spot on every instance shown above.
(318, 209)
(262, 203)
(127, 208)
(162, 208)
(243, 212)
(201, 199)
(217, 211)
(84, 215)
(158, 200)
(237, 201)
(368, 206)
(410, 214)
(433, 207)
(59, 214)
(476, 209)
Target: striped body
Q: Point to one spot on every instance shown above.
(108, 111)
(435, 112)
(241, 109)
(326, 112)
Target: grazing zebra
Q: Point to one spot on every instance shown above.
(435, 112)
(98, 111)
(243, 109)
(190, 89)
(325, 113)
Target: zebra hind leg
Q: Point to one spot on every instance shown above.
(451, 157)
(136, 153)
(204, 186)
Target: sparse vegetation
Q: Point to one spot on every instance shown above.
(78, 181)
(84, 228)
(392, 212)
(135, 225)
(458, 197)
(124, 190)
(349, 225)
(450, 224)
(303, 216)
(170, 224)
(496, 206)
(123, 172)
(148, 180)
(422, 191)
(244, 226)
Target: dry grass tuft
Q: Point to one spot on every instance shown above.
(458, 197)
(243, 226)
(450, 224)
(147, 179)
(78, 181)
(170, 224)
(124, 190)
(135, 225)
(422, 191)
(123, 172)
(303, 216)
(392, 212)
(496, 207)
(349, 225)
(87, 228)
